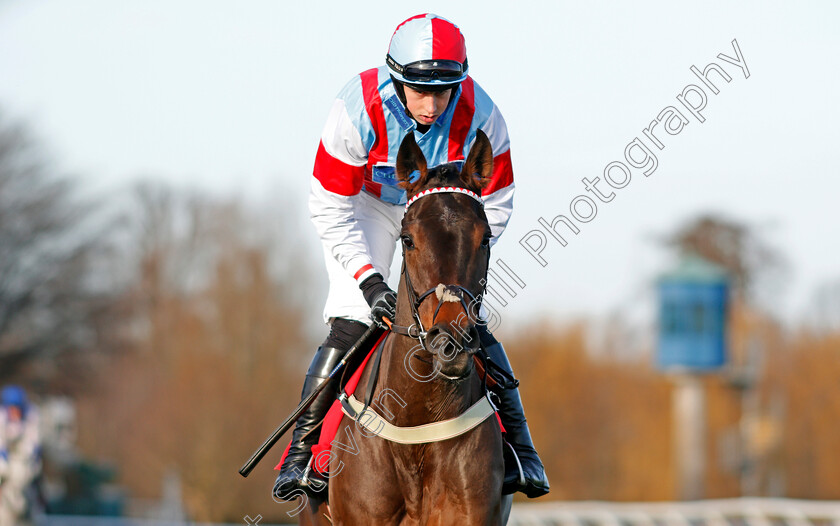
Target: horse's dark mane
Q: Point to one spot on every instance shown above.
(445, 175)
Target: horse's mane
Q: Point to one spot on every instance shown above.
(445, 175)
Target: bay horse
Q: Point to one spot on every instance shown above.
(426, 373)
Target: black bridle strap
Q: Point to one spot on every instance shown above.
(416, 330)
(413, 300)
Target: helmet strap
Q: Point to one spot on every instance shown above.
(399, 88)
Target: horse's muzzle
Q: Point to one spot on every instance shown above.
(448, 341)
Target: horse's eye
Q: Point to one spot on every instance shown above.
(407, 242)
(486, 241)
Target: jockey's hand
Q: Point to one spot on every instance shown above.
(380, 297)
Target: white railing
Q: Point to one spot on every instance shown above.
(726, 512)
(82, 520)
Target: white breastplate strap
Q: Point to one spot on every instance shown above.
(433, 432)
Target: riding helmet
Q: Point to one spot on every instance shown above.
(14, 396)
(428, 52)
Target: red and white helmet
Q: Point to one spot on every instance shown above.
(428, 50)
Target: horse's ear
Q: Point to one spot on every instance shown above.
(478, 168)
(411, 164)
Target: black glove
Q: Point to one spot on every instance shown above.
(380, 297)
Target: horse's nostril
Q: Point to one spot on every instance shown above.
(473, 340)
(447, 344)
(442, 343)
(436, 338)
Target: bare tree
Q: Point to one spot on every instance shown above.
(753, 264)
(217, 351)
(53, 305)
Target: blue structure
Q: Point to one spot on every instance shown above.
(693, 302)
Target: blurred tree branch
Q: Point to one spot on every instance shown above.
(218, 349)
(52, 304)
(754, 265)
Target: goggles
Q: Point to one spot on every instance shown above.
(429, 70)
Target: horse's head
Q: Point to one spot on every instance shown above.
(446, 249)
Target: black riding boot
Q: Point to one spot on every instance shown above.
(294, 473)
(532, 480)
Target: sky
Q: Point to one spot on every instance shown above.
(230, 97)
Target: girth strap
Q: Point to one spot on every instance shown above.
(433, 432)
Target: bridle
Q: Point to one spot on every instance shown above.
(416, 329)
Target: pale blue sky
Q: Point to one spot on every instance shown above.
(231, 96)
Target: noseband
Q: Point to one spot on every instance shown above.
(416, 330)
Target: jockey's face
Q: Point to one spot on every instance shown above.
(15, 414)
(426, 106)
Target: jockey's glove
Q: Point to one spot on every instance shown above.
(381, 298)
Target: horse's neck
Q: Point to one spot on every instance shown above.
(426, 401)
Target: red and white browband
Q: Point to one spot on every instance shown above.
(445, 190)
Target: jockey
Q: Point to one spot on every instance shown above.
(357, 208)
(20, 461)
